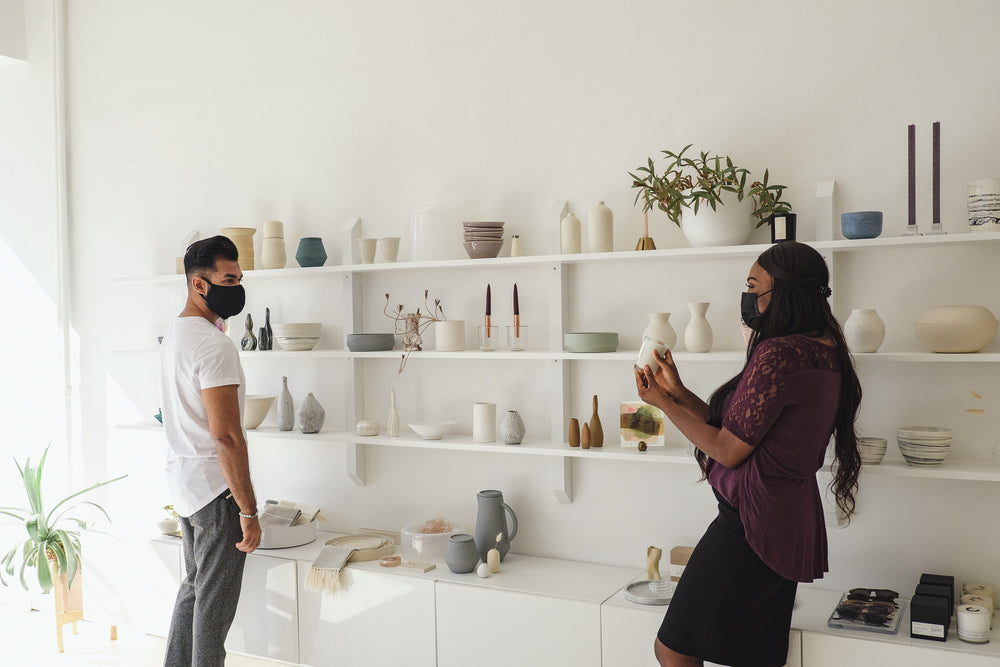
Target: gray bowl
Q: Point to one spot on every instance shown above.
(591, 341)
(370, 342)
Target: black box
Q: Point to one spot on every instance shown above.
(941, 580)
(937, 591)
(930, 617)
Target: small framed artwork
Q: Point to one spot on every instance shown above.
(641, 422)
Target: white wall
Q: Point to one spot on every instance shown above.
(193, 115)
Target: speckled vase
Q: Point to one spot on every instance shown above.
(286, 407)
(311, 415)
(512, 428)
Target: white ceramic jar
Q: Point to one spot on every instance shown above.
(600, 229)
(659, 336)
(449, 335)
(864, 330)
(569, 231)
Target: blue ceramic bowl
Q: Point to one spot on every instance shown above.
(861, 224)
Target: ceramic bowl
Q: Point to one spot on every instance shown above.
(370, 342)
(872, 450)
(861, 224)
(956, 329)
(297, 336)
(415, 545)
(482, 249)
(591, 341)
(432, 430)
(255, 409)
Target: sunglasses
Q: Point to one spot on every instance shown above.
(871, 606)
(878, 594)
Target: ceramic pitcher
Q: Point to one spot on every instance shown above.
(490, 521)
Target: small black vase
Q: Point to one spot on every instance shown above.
(782, 227)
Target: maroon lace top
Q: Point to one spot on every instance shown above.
(784, 407)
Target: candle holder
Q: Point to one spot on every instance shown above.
(516, 336)
(645, 243)
(911, 230)
(936, 229)
(488, 338)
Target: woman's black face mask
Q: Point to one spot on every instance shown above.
(749, 310)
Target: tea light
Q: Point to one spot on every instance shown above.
(974, 623)
(978, 588)
(981, 600)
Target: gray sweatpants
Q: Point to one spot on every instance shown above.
(207, 598)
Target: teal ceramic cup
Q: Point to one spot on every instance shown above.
(861, 224)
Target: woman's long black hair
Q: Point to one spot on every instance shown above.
(799, 305)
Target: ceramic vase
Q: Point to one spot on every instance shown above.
(512, 428)
(596, 430)
(698, 333)
(242, 238)
(491, 522)
(311, 415)
(600, 229)
(249, 341)
(286, 407)
(392, 421)
(659, 336)
(569, 234)
(449, 335)
(412, 340)
(461, 555)
(268, 333)
(729, 224)
(272, 253)
(984, 205)
(515, 246)
(311, 252)
(864, 330)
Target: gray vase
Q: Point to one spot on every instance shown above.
(286, 408)
(461, 555)
(311, 415)
(512, 428)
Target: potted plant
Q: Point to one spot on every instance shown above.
(689, 186)
(52, 547)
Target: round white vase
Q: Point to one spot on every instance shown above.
(698, 333)
(730, 224)
(864, 330)
(658, 335)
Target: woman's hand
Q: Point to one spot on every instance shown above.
(666, 374)
(651, 389)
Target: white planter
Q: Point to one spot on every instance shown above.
(449, 335)
(698, 333)
(730, 224)
(864, 330)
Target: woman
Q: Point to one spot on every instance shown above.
(761, 439)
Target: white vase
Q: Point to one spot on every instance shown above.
(600, 229)
(512, 428)
(272, 253)
(392, 421)
(311, 415)
(698, 333)
(449, 335)
(515, 246)
(286, 407)
(484, 422)
(864, 330)
(569, 234)
(658, 335)
(730, 224)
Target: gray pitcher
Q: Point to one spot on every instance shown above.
(491, 521)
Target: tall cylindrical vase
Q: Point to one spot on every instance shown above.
(698, 333)
(864, 330)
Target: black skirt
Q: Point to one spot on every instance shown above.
(729, 607)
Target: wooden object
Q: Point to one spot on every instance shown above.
(585, 436)
(678, 561)
(574, 432)
(596, 430)
(653, 563)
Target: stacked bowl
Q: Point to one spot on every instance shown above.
(297, 336)
(923, 445)
(872, 450)
(483, 240)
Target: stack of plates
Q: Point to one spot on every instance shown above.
(483, 239)
(872, 450)
(923, 445)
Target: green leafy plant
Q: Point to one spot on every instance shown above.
(49, 536)
(693, 182)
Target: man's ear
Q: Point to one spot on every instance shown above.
(199, 283)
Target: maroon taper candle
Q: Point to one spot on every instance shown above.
(912, 156)
(937, 173)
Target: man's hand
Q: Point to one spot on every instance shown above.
(251, 535)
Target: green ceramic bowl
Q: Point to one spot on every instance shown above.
(591, 341)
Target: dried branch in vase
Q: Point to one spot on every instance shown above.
(411, 325)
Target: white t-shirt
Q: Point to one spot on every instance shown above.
(194, 355)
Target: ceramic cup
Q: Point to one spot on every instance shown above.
(387, 249)
(484, 422)
(861, 224)
(366, 248)
(461, 555)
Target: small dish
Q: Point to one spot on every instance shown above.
(370, 342)
(433, 430)
(297, 336)
(591, 341)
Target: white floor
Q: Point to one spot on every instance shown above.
(29, 640)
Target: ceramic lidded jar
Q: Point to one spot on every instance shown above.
(864, 330)
(569, 234)
(658, 335)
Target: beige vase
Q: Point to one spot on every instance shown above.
(242, 237)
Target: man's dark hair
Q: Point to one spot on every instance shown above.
(202, 255)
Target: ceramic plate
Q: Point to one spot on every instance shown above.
(366, 547)
(641, 592)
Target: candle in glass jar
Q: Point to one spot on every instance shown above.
(974, 624)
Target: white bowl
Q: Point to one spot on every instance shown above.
(255, 409)
(297, 336)
(432, 430)
(923, 433)
(872, 450)
(956, 329)
(922, 455)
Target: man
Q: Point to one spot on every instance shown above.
(208, 469)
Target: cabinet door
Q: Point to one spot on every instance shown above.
(627, 636)
(486, 627)
(375, 619)
(826, 651)
(266, 622)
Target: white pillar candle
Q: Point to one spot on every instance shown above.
(493, 560)
(978, 588)
(484, 422)
(974, 623)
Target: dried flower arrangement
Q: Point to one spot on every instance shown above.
(412, 325)
(435, 525)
